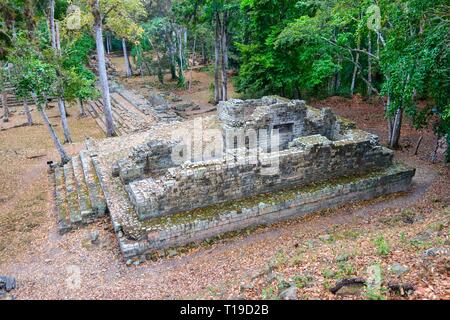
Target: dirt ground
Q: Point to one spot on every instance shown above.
(201, 92)
(312, 252)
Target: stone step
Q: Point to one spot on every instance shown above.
(93, 110)
(72, 195)
(83, 192)
(63, 218)
(118, 121)
(96, 196)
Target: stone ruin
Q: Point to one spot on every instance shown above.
(272, 159)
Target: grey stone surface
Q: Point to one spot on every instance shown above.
(289, 293)
(7, 283)
(398, 269)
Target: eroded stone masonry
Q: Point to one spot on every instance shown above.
(256, 162)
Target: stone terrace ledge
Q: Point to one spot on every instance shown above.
(196, 225)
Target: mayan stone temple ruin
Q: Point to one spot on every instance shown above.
(254, 163)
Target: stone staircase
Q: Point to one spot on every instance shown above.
(11, 97)
(79, 196)
(127, 117)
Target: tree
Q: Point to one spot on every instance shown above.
(3, 77)
(115, 15)
(56, 46)
(35, 79)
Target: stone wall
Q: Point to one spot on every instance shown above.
(188, 227)
(309, 160)
(272, 113)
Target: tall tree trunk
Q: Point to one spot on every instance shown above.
(355, 72)
(27, 112)
(64, 157)
(52, 24)
(225, 56)
(158, 57)
(61, 104)
(355, 69)
(58, 38)
(172, 52)
(128, 70)
(396, 129)
(338, 75)
(5, 107)
(82, 111)
(110, 129)
(193, 62)
(181, 78)
(217, 49)
(65, 124)
(108, 43)
(369, 65)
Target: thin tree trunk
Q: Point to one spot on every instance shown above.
(193, 62)
(65, 125)
(355, 71)
(5, 107)
(82, 112)
(180, 53)
(27, 112)
(108, 43)
(64, 157)
(58, 38)
(158, 57)
(61, 103)
(338, 75)
(172, 52)
(52, 24)
(217, 49)
(110, 129)
(369, 66)
(128, 70)
(396, 129)
(225, 57)
(416, 149)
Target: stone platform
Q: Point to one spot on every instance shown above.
(156, 204)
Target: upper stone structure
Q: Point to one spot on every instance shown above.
(268, 145)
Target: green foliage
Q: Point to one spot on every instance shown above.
(383, 248)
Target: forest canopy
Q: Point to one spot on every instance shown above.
(396, 51)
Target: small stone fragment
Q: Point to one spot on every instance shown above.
(289, 294)
(398, 269)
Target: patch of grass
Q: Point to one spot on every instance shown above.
(269, 293)
(329, 274)
(297, 258)
(215, 292)
(383, 248)
(371, 294)
(346, 269)
(303, 281)
(403, 238)
(347, 235)
(282, 284)
(280, 259)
